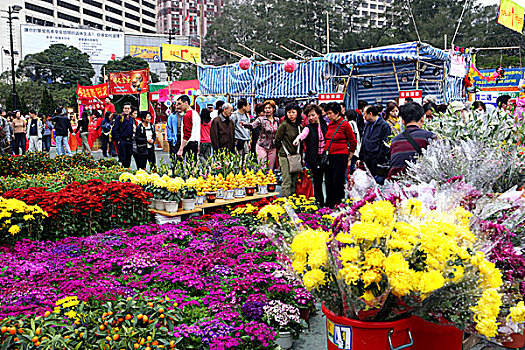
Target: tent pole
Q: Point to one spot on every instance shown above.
(417, 68)
(247, 48)
(397, 78)
(231, 52)
(306, 47)
(293, 53)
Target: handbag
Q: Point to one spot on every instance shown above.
(304, 185)
(295, 161)
(324, 157)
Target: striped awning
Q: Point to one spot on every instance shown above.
(268, 79)
(394, 53)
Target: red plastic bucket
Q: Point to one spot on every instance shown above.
(408, 333)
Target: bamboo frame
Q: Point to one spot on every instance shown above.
(231, 52)
(293, 53)
(306, 47)
(397, 77)
(255, 52)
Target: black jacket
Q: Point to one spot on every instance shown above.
(311, 154)
(373, 149)
(83, 125)
(62, 125)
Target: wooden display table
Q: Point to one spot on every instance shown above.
(163, 216)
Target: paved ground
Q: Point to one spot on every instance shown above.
(315, 338)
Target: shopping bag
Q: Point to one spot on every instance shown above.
(304, 185)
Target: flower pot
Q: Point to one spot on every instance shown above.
(285, 340)
(160, 204)
(411, 332)
(228, 195)
(250, 191)
(305, 313)
(220, 193)
(172, 206)
(211, 196)
(239, 193)
(200, 200)
(271, 187)
(188, 203)
(262, 189)
(517, 342)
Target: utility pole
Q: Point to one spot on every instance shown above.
(10, 11)
(169, 63)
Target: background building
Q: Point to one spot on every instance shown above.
(187, 17)
(371, 13)
(130, 16)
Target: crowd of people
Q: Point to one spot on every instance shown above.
(327, 139)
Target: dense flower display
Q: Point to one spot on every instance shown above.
(42, 163)
(84, 209)
(208, 280)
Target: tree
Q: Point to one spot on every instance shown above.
(128, 63)
(265, 25)
(47, 106)
(182, 71)
(59, 64)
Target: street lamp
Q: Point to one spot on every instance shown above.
(11, 10)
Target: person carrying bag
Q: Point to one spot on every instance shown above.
(291, 164)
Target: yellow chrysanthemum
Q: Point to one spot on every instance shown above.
(517, 313)
(314, 279)
(14, 229)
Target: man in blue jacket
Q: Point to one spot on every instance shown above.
(122, 133)
(171, 133)
(374, 147)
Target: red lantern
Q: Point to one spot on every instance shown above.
(290, 66)
(244, 63)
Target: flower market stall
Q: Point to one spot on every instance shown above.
(386, 70)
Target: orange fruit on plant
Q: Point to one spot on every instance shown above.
(128, 317)
(101, 327)
(149, 338)
(12, 330)
(37, 344)
(4, 329)
(81, 334)
(161, 310)
(136, 346)
(116, 336)
(108, 338)
(120, 319)
(145, 318)
(38, 331)
(34, 340)
(47, 314)
(139, 316)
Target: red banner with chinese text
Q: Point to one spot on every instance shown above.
(92, 97)
(92, 92)
(125, 83)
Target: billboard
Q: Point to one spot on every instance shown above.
(132, 82)
(99, 45)
(147, 53)
(189, 53)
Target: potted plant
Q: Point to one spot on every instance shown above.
(271, 181)
(394, 265)
(286, 318)
(189, 194)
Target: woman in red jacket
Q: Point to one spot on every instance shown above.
(340, 143)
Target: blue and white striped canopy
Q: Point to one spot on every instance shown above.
(394, 53)
(268, 80)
